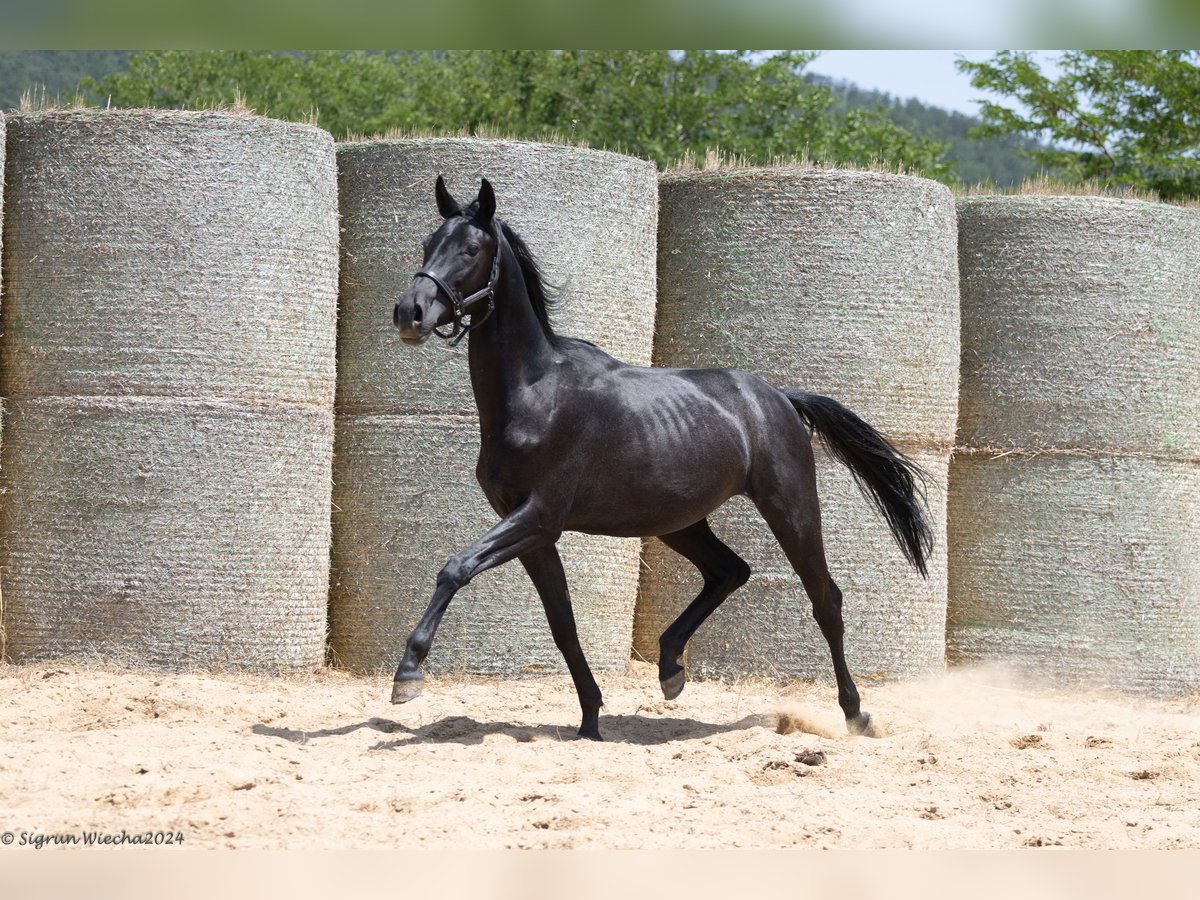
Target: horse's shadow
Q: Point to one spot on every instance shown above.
(633, 729)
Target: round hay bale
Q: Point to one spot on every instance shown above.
(591, 218)
(839, 283)
(172, 254)
(2, 144)
(1075, 498)
(895, 620)
(1079, 325)
(1077, 569)
(169, 329)
(167, 532)
(392, 540)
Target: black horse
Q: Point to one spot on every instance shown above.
(574, 440)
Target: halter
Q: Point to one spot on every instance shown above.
(460, 304)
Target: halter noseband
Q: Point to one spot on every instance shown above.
(460, 305)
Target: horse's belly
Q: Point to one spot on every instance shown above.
(629, 520)
(632, 492)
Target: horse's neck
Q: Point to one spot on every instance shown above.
(509, 350)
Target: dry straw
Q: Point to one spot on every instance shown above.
(168, 354)
(1075, 502)
(1077, 569)
(842, 283)
(167, 531)
(405, 493)
(3, 142)
(1080, 327)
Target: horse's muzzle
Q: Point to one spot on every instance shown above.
(417, 312)
(404, 323)
(408, 319)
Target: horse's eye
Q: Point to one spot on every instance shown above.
(472, 249)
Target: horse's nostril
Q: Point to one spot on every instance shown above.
(416, 313)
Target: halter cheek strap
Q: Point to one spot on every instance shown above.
(460, 305)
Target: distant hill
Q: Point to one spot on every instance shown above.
(59, 71)
(998, 160)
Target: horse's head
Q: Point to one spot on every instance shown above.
(459, 270)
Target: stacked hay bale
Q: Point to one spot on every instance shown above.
(405, 495)
(1075, 502)
(168, 360)
(2, 143)
(839, 283)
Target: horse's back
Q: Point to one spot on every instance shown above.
(673, 405)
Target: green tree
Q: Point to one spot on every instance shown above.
(654, 104)
(52, 74)
(1119, 117)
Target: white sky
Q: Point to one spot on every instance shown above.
(928, 75)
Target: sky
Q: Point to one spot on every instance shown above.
(928, 75)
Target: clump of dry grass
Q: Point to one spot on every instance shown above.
(1043, 185)
(716, 160)
(38, 100)
(485, 131)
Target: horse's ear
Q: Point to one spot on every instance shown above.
(487, 201)
(446, 204)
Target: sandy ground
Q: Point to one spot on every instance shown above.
(325, 761)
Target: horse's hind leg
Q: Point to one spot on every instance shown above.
(546, 572)
(787, 499)
(723, 572)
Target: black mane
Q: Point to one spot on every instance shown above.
(542, 295)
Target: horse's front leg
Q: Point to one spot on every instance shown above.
(523, 530)
(545, 570)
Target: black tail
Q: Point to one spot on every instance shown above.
(888, 478)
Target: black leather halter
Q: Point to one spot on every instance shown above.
(460, 305)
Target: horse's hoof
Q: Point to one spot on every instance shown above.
(672, 685)
(405, 690)
(862, 725)
(592, 734)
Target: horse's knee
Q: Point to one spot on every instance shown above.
(454, 575)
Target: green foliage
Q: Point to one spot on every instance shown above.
(57, 72)
(1117, 117)
(998, 160)
(654, 104)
